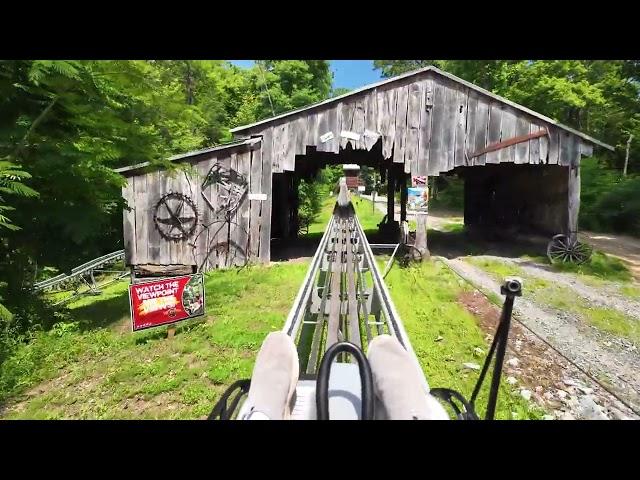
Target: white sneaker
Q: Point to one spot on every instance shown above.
(398, 383)
(274, 379)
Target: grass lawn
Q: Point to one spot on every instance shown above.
(104, 371)
(368, 215)
(95, 368)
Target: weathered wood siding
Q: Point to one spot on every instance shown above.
(428, 122)
(215, 243)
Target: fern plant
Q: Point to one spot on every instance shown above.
(11, 177)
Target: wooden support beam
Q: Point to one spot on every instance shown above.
(573, 204)
(421, 236)
(391, 184)
(403, 198)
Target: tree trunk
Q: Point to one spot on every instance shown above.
(626, 158)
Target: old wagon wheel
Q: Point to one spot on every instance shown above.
(409, 254)
(234, 254)
(562, 249)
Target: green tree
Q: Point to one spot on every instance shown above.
(336, 92)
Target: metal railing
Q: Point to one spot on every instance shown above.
(85, 275)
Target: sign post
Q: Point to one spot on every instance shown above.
(418, 199)
(166, 301)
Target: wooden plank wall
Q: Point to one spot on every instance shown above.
(215, 242)
(430, 123)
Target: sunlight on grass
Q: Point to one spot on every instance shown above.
(100, 372)
(368, 215)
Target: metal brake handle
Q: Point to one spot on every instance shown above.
(447, 395)
(366, 380)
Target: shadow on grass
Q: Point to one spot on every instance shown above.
(159, 333)
(462, 242)
(306, 245)
(102, 312)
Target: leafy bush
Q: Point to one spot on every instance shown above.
(609, 202)
(448, 194)
(310, 200)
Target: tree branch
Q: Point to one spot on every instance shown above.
(35, 123)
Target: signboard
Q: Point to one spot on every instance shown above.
(418, 195)
(169, 300)
(419, 181)
(418, 199)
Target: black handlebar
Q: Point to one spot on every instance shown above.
(366, 380)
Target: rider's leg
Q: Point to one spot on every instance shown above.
(274, 379)
(397, 383)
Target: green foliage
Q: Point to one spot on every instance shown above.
(448, 193)
(310, 201)
(609, 202)
(277, 86)
(392, 68)
(336, 92)
(11, 177)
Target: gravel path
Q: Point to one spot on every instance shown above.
(595, 296)
(588, 348)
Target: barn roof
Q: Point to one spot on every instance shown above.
(417, 73)
(129, 170)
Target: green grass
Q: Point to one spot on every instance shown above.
(102, 370)
(563, 298)
(600, 266)
(320, 222)
(600, 271)
(369, 216)
(606, 319)
(425, 297)
(95, 367)
(630, 291)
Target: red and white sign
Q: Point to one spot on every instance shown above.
(160, 302)
(420, 181)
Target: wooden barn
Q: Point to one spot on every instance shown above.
(520, 169)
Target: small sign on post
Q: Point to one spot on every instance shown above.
(166, 301)
(418, 195)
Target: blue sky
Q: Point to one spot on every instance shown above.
(346, 73)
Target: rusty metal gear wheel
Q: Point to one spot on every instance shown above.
(175, 216)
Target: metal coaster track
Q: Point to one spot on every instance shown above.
(343, 296)
(86, 274)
